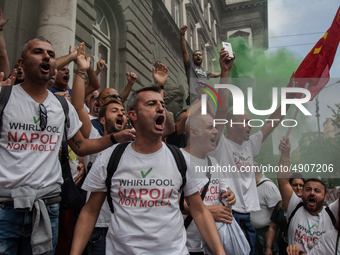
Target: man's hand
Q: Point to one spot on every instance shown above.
(131, 78)
(183, 29)
(73, 52)
(294, 249)
(2, 20)
(83, 63)
(80, 175)
(100, 65)
(285, 146)
(221, 213)
(226, 63)
(160, 75)
(126, 135)
(10, 81)
(229, 196)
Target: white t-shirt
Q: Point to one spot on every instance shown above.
(269, 195)
(326, 244)
(194, 237)
(104, 216)
(28, 156)
(229, 154)
(305, 230)
(144, 191)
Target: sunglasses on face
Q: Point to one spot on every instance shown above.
(113, 96)
(43, 117)
(198, 54)
(94, 97)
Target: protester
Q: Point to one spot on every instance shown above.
(193, 67)
(237, 150)
(24, 171)
(145, 160)
(328, 243)
(202, 139)
(310, 220)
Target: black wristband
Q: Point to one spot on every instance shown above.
(113, 140)
(162, 87)
(1, 29)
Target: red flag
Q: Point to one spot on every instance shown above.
(316, 65)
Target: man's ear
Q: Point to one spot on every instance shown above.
(102, 121)
(193, 132)
(132, 115)
(21, 63)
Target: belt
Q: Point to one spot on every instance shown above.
(239, 213)
(47, 201)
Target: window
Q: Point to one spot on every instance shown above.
(176, 12)
(101, 46)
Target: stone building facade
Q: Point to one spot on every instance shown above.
(132, 35)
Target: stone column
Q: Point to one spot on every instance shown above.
(57, 22)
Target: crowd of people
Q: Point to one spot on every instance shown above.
(156, 202)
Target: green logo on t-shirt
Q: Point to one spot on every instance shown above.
(35, 120)
(145, 174)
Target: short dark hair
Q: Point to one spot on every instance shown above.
(296, 176)
(24, 48)
(193, 54)
(102, 112)
(133, 101)
(316, 180)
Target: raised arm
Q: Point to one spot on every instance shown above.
(283, 176)
(131, 78)
(184, 50)
(222, 110)
(65, 60)
(159, 76)
(78, 91)
(271, 125)
(92, 83)
(4, 63)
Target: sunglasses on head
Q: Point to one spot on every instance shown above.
(43, 117)
(113, 96)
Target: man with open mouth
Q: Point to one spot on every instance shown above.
(144, 191)
(308, 219)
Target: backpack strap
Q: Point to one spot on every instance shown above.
(111, 169)
(4, 97)
(182, 167)
(189, 218)
(293, 213)
(64, 104)
(331, 215)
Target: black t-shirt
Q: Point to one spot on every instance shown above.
(278, 217)
(178, 140)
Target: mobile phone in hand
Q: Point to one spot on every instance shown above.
(227, 47)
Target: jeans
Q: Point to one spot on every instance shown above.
(97, 243)
(16, 229)
(244, 221)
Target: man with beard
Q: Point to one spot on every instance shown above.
(308, 218)
(193, 67)
(32, 129)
